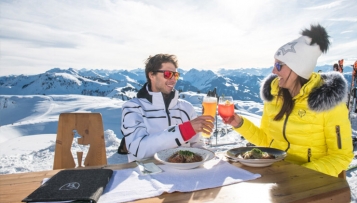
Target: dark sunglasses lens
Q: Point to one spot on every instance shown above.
(177, 75)
(278, 66)
(168, 74)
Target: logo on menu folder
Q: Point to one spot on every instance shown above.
(70, 186)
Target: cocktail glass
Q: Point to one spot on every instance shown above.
(225, 108)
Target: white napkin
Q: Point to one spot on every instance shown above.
(128, 184)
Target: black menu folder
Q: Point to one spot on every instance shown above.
(83, 185)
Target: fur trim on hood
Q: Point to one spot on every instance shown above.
(331, 92)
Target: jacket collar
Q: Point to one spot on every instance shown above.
(156, 98)
(323, 91)
(144, 93)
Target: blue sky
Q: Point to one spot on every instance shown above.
(38, 35)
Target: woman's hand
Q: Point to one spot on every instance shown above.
(235, 121)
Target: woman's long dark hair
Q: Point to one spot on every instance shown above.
(288, 102)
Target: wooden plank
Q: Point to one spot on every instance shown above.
(63, 157)
(26, 177)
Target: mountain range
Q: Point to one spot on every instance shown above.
(242, 84)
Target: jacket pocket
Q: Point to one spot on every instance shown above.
(338, 135)
(308, 154)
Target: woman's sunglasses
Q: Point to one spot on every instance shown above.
(279, 65)
(169, 74)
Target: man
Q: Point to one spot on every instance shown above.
(354, 73)
(354, 86)
(157, 119)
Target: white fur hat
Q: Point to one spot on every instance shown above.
(301, 54)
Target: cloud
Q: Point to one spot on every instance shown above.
(28, 33)
(212, 34)
(323, 6)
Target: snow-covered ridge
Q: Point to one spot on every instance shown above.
(242, 84)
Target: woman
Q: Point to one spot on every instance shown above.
(304, 113)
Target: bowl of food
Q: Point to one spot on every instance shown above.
(184, 157)
(256, 156)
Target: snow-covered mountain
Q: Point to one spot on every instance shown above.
(123, 84)
(242, 84)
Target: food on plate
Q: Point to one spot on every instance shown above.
(184, 156)
(256, 153)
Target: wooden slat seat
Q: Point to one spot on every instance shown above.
(90, 127)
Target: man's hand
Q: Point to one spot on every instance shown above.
(203, 124)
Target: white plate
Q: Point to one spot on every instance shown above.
(233, 153)
(163, 155)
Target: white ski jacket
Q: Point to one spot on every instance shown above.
(149, 125)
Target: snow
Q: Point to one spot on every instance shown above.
(28, 126)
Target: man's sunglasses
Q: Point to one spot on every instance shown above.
(279, 65)
(169, 74)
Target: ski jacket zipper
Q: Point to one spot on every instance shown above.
(284, 129)
(338, 134)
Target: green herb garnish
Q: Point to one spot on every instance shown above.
(257, 151)
(185, 153)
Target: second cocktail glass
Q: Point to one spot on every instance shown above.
(225, 108)
(209, 107)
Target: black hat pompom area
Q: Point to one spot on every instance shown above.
(318, 35)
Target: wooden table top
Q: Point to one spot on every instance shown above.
(280, 182)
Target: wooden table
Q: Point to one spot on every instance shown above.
(281, 182)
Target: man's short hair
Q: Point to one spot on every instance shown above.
(153, 63)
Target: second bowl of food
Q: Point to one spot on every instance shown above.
(184, 157)
(256, 156)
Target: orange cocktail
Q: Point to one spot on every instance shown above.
(209, 107)
(226, 109)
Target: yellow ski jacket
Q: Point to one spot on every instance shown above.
(317, 134)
